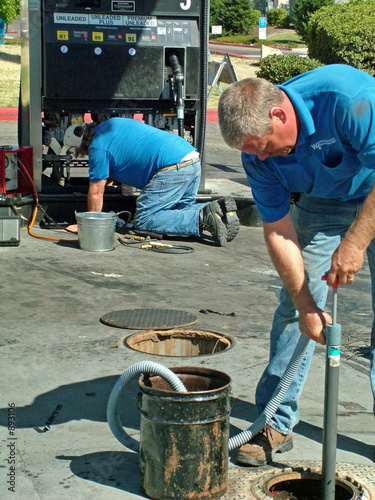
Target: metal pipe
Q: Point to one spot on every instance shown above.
(333, 341)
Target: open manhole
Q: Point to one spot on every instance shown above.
(179, 342)
(306, 485)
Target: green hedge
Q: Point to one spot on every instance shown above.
(344, 33)
(278, 17)
(279, 68)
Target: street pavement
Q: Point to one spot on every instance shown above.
(60, 362)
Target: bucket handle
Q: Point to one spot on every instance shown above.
(115, 214)
(124, 212)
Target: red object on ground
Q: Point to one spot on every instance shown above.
(23, 155)
(11, 114)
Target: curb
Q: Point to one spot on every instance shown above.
(244, 45)
(253, 58)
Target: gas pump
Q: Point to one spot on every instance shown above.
(84, 60)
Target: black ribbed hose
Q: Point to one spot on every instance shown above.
(204, 30)
(179, 81)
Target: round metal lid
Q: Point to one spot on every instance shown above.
(136, 319)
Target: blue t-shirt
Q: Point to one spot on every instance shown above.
(130, 152)
(334, 156)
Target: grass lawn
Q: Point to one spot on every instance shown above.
(10, 66)
(243, 68)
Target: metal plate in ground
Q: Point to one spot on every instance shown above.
(139, 319)
(244, 483)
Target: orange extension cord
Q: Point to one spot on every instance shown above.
(35, 211)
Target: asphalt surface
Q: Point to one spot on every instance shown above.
(60, 362)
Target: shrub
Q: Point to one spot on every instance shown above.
(256, 14)
(279, 68)
(344, 33)
(302, 12)
(9, 10)
(277, 17)
(235, 16)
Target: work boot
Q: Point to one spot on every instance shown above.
(231, 221)
(261, 448)
(210, 220)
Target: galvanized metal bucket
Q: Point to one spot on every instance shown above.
(184, 436)
(96, 231)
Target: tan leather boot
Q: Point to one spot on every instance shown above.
(261, 448)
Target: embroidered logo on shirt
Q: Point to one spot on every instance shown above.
(324, 142)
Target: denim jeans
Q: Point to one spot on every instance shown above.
(320, 225)
(167, 203)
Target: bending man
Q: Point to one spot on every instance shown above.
(313, 135)
(166, 169)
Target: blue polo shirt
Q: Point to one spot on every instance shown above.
(130, 152)
(334, 156)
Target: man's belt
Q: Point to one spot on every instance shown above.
(177, 166)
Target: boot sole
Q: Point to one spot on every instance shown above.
(218, 228)
(231, 219)
(268, 458)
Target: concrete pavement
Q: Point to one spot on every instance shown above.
(59, 360)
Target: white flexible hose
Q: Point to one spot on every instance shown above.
(114, 398)
(276, 398)
(150, 367)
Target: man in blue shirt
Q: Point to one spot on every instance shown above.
(315, 136)
(166, 169)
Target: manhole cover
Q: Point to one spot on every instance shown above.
(179, 342)
(139, 319)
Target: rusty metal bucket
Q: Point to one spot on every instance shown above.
(184, 436)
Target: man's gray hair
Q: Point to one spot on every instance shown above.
(244, 109)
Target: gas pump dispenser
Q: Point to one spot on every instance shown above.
(108, 58)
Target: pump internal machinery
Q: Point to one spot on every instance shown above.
(98, 59)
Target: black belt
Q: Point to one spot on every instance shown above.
(177, 166)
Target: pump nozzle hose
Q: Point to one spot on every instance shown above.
(175, 64)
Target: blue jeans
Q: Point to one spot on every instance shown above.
(320, 225)
(167, 203)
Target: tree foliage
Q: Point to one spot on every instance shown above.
(9, 10)
(303, 10)
(215, 9)
(278, 17)
(344, 33)
(235, 16)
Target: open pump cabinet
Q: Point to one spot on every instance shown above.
(91, 60)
